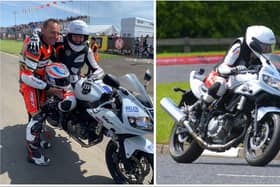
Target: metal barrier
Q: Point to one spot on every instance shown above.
(188, 43)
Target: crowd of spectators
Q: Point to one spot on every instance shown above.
(27, 28)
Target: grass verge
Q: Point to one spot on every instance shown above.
(164, 122)
(11, 46)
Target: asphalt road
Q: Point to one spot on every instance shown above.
(177, 73)
(70, 164)
(212, 170)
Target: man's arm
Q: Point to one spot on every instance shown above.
(28, 64)
(96, 69)
(232, 55)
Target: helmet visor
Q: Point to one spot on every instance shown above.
(62, 82)
(77, 39)
(267, 48)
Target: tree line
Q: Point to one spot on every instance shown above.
(214, 19)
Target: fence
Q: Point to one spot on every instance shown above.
(188, 43)
(13, 36)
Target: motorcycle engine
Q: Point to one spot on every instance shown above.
(219, 128)
(84, 130)
(77, 129)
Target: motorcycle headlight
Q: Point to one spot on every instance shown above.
(142, 123)
(271, 81)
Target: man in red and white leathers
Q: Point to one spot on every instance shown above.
(33, 86)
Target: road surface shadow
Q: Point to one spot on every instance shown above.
(64, 168)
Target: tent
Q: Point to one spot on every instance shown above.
(102, 29)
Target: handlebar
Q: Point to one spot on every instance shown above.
(252, 70)
(248, 71)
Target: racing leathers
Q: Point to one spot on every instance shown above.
(74, 57)
(33, 88)
(239, 57)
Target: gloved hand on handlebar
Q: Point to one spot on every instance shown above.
(238, 69)
(34, 43)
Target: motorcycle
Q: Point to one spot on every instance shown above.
(120, 109)
(248, 113)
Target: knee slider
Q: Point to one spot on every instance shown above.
(40, 117)
(37, 127)
(214, 89)
(33, 129)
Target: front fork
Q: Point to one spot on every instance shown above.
(129, 144)
(256, 128)
(260, 113)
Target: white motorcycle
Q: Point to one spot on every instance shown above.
(248, 113)
(122, 110)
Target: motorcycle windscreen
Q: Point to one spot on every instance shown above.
(131, 82)
(275, 59)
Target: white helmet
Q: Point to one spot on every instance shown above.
(262, 36)
(77, 27)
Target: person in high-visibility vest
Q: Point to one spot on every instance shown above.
(94, 48)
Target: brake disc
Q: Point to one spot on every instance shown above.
(258, 142)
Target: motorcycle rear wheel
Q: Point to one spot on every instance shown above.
(143, 162)
(261, 153)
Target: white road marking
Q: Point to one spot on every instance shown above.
(254, 176)
(232, 152)
(11, 55)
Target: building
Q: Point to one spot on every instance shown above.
(102, 30)
(136, 27)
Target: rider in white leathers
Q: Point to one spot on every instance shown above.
(238, 58)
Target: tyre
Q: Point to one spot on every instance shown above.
(142, 166)
(186, 151)
(261, 150)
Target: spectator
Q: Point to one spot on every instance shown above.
(94, 48)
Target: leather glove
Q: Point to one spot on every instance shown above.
(34, 44)
(51, 105)
(238, 69)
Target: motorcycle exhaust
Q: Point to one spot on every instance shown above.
(170, 107)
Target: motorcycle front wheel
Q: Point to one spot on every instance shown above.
(182, 147)
(141, 166)
(260, 150)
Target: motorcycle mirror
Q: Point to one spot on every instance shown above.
(147, 76)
